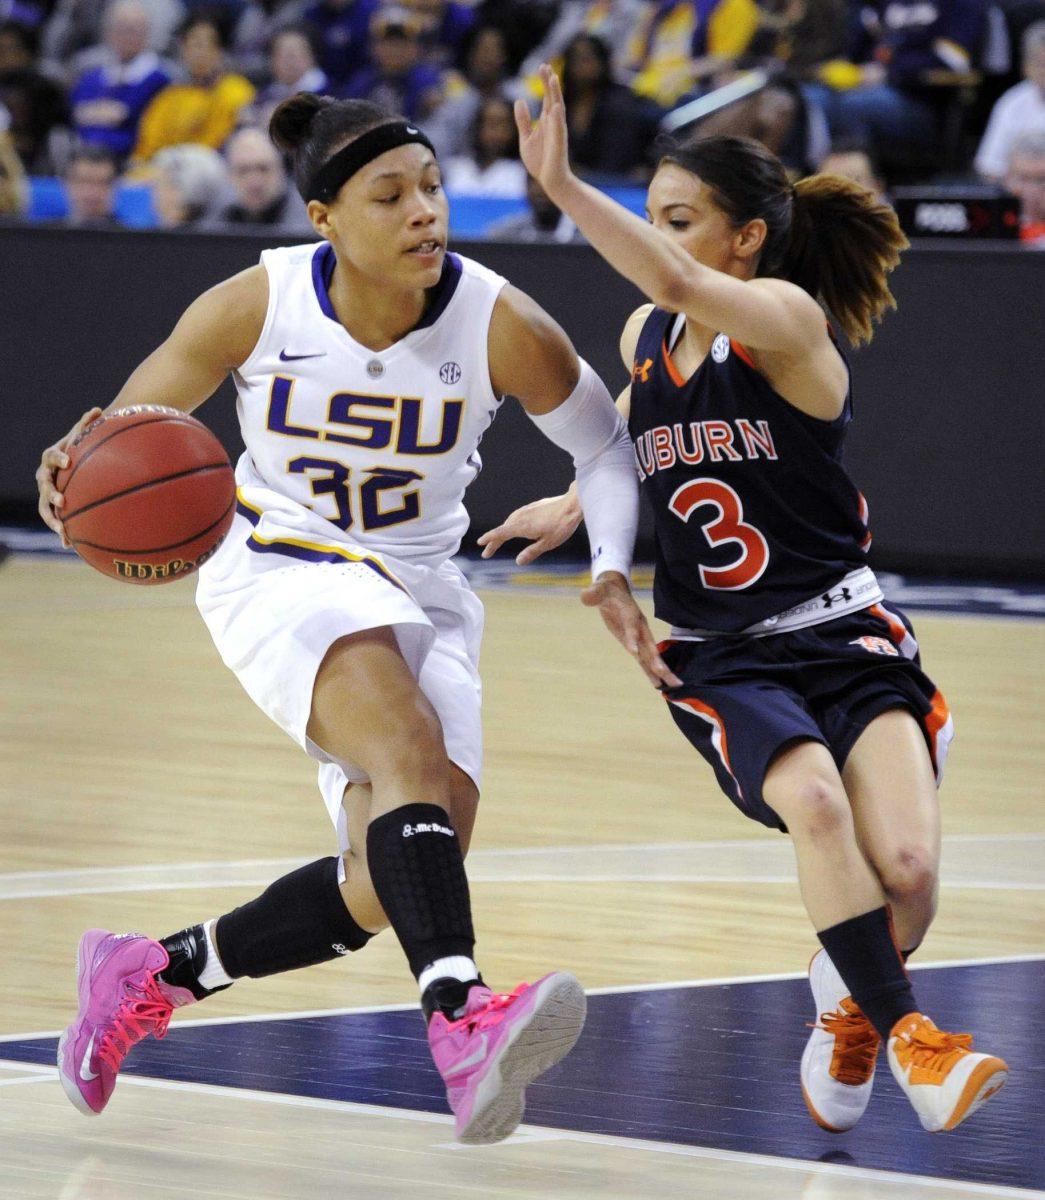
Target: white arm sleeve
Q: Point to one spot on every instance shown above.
(588, 426)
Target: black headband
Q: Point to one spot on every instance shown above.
(338, 170)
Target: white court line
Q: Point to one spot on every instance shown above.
(611, 990)
(27, 1079)
(756, 861)
(538, 1133)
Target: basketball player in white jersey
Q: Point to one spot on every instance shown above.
(367, 368)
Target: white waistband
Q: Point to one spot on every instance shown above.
(859, 589)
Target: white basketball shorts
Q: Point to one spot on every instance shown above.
(274, 608)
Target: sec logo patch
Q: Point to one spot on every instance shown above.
(720, 348)
(450, 372)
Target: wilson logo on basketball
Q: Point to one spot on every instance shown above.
(147, 572)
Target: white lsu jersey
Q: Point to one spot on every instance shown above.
(377, 446)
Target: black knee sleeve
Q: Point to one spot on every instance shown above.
(297, 921)
(418, 873)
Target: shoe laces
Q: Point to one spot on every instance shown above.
(856, 1043)
(143, 1010)
(492, 1012)
(932, 1049)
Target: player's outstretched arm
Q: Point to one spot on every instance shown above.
(531, 358)
(215, 334)
(547, 523)
(769, 314)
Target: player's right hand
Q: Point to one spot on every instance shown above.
(53, 460)
(544, 523)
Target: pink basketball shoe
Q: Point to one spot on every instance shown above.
(121, 1002)
(499, 1046)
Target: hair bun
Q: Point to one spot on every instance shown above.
(292, 120)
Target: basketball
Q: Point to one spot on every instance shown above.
(149, 494)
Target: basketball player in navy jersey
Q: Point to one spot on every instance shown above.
(367, 369)
(800, 687)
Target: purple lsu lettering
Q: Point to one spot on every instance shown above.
(664, 446)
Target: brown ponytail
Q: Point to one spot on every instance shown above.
(842, 245)
(826, 234)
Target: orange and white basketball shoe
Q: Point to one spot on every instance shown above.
(839, 1059)
(943, 1077)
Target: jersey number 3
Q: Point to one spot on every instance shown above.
(727, 526)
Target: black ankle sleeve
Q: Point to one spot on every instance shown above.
(297, 921)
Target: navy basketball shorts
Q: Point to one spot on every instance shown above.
(744, 698)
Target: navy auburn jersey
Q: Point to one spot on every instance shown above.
(754, 512)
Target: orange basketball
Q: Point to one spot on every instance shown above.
(149, 494)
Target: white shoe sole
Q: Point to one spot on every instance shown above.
(68, 1086)
(535, 1046)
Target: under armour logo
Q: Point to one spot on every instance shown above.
(842, 596)
(338, 948)
(641, 373)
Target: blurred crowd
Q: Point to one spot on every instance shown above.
(176, 94)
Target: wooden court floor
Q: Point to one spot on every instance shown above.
(140, 789)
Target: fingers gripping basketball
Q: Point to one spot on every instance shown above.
(149, 494)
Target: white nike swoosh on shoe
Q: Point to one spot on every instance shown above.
(86, 1074)
(475, 1058)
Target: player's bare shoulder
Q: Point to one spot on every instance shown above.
(530, 355)
(225, 322)
(630, 335)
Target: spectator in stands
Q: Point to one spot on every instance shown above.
(74, 36)
(90, 188)
(108, 101)
(802, 34)
(37, 108)
(611, 20)
(293, 69)
(853, 160)
(678, 43)
(487, 73)
(258, 24)
(343, 28)
(778, 115)
(27, 12)
(542, 222)
(263, 195)
(205, 109)
(190, 185)
(611, 129)
(1020, 110)
(14, 191)
(446, 24)
(398, 78)
(1025, 178)
(899, 46)
(493, 167)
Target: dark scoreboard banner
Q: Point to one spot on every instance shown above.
(957, 212)
(947, 442)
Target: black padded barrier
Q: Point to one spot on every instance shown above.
(947, 444)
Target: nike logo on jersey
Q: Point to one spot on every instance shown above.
(285, 357)
(86, 1074)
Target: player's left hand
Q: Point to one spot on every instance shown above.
(543, 144)
(611, 595)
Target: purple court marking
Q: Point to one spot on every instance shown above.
(712, 1066)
